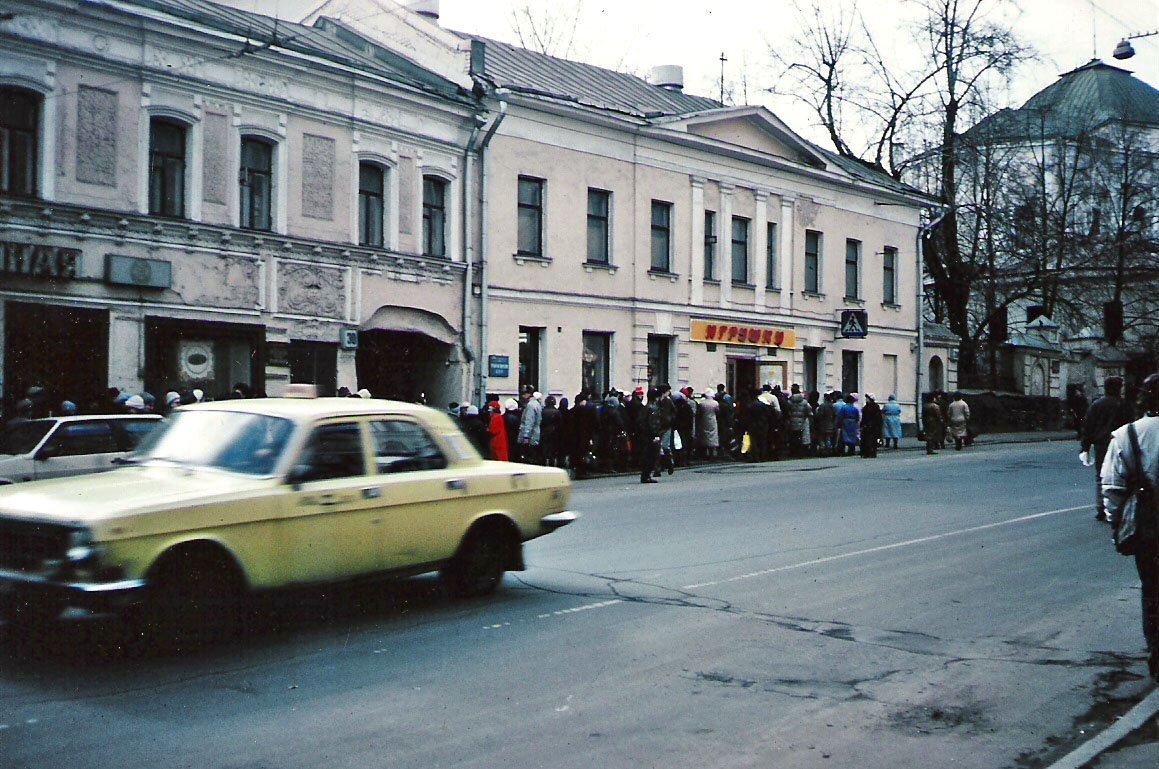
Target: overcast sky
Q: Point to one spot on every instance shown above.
(635, 35)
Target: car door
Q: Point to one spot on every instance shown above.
(75, 448)
(329, 525)
(422, 501)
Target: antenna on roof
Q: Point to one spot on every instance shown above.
(722, 61)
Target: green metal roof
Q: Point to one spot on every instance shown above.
(1080, 100)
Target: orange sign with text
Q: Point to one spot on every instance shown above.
(742, 333)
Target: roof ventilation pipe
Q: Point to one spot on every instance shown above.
(428, 9)
(670, 76)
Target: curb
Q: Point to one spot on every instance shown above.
(1134, 719)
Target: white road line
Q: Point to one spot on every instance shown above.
(585, 607)
(1135, 718)
(882, 548)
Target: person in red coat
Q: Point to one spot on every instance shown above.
(498, 432)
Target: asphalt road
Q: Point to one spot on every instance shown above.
(960, 610)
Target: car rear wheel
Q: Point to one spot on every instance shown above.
(477, 569)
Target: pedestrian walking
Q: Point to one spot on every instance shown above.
(891, 422)
(1125, 459)
(1106, 414)
(933, 425)
(958, 416)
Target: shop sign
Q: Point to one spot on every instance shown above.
(277, 354)
(348, 338)
(135, 271)
(499, 366)
(39, 261)
(854, 324)
(742, 333)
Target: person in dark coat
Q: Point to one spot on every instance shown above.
(872, 425)
(724, 419)
(649, 428)
(474, 426)
(1107, 414)
(933, 424)
(632, 411)
(586, 426)
(613, 435)
(683, 425)
(549, 432)
(755, 422)
(512, 416)
(824, 426)
(563, 439)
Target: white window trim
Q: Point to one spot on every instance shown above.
(389, 198)
(46, 128)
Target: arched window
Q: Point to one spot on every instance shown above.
(19, 141)
(434, 216)
(257, 183)
(937, 374)
(167, 167)
(371, 196)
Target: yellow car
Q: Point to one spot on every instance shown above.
(254, 495)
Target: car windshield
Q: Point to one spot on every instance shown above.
(22, 437)
(225, 440)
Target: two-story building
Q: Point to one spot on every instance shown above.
(195, 197)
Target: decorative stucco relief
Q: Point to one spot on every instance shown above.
(318, 177)
(807, 212)
(304, 289)
(96, 133)
(216, 139)
(218, 282)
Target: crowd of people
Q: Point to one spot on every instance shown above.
(660, 429)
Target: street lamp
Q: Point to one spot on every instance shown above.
(1124, 50)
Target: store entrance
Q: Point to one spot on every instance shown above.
(63, 349)
(404, 366)
(742, 378)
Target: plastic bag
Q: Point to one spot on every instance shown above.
(677, 444)
(746, 444)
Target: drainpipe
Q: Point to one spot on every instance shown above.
(469, 249)
(481, 370)
(921, 321)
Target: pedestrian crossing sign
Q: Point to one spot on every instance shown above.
(854, 324)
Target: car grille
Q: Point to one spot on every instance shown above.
(26, 545)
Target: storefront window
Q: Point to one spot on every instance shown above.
(530, 344)
(596, 362)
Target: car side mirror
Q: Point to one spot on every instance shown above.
(47, 451)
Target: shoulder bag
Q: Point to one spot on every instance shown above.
(1136, 529)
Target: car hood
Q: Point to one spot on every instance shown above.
(122, 492)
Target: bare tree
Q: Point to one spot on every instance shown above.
(547, 27)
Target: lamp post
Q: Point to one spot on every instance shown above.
(1124, 50)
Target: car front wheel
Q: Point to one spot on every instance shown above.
(477, 569)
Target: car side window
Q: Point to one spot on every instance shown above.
(80, 438)
(333, 451)
(402, 446)
(129, 432)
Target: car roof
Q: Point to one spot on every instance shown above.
(90, 417)
(316, 408)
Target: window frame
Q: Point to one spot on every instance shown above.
(33, 140)
(433, 210)
(168, 174)
(661, 230)
(607, 352)
(853, 247)
(771, 251)
(889, 276)
(365, 198)
(744, 244)
(531, 213)
(710, 242)
(246, 174)
(814, 256)
(604, 221)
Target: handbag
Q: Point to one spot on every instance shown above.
(1135, 531)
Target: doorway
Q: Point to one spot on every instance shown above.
(741, 376)
(63, 349)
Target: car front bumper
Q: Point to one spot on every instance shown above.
(22, 587)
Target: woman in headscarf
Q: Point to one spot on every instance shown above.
(707, 425)
(512, 415)
(497, 431)
(848, 424)
(891, 427)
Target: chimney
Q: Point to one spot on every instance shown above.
(428, 9)
(670, 76)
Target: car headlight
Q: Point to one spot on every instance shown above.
(80, 546)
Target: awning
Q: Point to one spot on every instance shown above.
(412, 321)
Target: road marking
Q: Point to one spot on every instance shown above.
(882, 548)
(1135, 718)
(586, 607)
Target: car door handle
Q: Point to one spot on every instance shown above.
(329, 500)
(456, 484)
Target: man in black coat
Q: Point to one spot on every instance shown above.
(1107, 414)
(755, 422)
(649, 428)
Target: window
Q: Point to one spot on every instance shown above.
(401, 447)
(852, 268)
(597, 356)
(710, 245)
(166, 167)
(813, 261)
(333, 451)
(530, 216)
(659, 360)
(257, 182)
(740, 250)
(812, 368)
(371, 194)
(19, 129)
(81, 438)
(599, 212)
(661, 236)
(850, 371)
(434, 216)
(530, 348)
(889, 276)
(771, 277)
